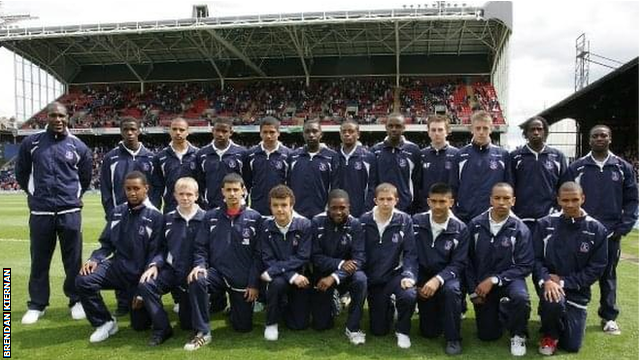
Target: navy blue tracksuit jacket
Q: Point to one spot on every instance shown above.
(508, 255)
(536, 177)
(356, 175)
(444, 256)
(262, 172)
(436, 166)
(574, 249)
(54, 170)
(210, 169)
(131, 256)
(167, 169)
(399, 166)
(475, 170)
(286, 255)
(230, 245)
(311, 179)
(392, 253)
(116, 164)
(178, 244)
(334, 243)
(611, 193)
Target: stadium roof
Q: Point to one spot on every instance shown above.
(613, 96)
(248, 46)
(611, 100)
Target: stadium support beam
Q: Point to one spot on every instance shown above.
(207, 56)
(397, 29)
(234, 50)
(296, 43)
(113, 49)
(34, 56)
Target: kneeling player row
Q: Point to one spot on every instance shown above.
(387, 257)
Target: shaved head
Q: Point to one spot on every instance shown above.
(570, 186)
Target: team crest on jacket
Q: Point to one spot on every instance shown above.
(505, 242)
(192, 165)
(232, 164)
(141, 230)
(548, 164)
(584, 247)
(246, 233)
(448, 244)
(615, 176)
(278, 165)
(296, 239)
(493, 164)
(357, 165)
(322, 167)
(402, 162)
(395, 238)
(447, 165)
(68, 155)
(145, 167)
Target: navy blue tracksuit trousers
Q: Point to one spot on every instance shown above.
(505, 307)
(43, 231)
(608, 281)
(241, 315)
(287, 301)
(321, 303)
(151, 292)
(563, 321)
(107, 276)
(381, 309)
(441, 311)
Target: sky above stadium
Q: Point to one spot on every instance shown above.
(542, 46)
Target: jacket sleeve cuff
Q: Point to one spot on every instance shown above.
(336, 277)
(410, 280)
(340, 264)
(293, 278)
(265, 276)
(440, 279)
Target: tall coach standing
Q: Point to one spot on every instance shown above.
(54, 169)
(611, 192)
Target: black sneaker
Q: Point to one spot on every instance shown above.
(453, 348)
(160, 337)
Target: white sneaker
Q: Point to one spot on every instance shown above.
(355, 337)
(610, 327)
(103, 331)
(198, 341)
(32, 316)
(271, 332)
(404, 342)
(77, 311)
(176, 308)
(518, 346)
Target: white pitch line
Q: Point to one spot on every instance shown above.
(14, 240)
